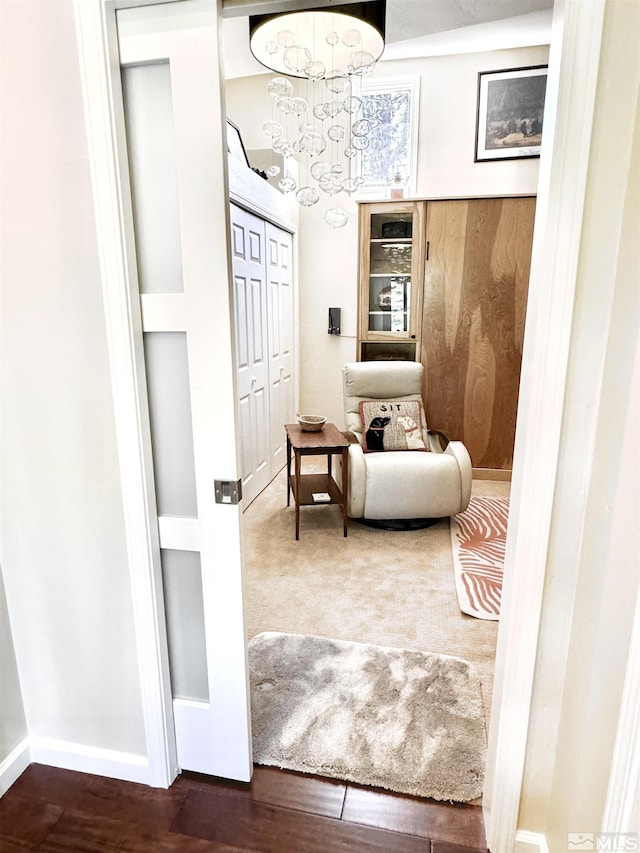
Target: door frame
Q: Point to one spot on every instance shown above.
(569, 109)
(572, 80)
(97, 39)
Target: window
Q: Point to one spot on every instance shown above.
(393, 142)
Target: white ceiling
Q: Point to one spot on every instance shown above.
(426, 28)
(407, 19)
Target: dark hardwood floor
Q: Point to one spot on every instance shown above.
(280, 812)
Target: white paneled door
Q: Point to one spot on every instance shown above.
(281, 340)
(263, 307)
(177, 164)
(252, 352)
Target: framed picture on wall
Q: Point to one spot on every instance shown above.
(509, 114)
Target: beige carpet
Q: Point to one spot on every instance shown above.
(408, 721)
(386, 588)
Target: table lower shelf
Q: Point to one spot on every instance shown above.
(311, 484)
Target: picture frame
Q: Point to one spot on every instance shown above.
(235, 145)
(509, 113)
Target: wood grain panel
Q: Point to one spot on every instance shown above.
(60, 811)
(24, 824)
(235, 820)
(479, 387)
(311, 794)
(93, 833)
(475, 294)
(459, 823)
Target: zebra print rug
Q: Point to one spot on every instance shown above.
(478, 538)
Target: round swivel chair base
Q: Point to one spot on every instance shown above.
(397, 523)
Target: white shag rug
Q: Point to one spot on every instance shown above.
(403, 720)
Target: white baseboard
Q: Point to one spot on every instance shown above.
(501, 474)
(14, 765)
(530, 842)
(91, 759)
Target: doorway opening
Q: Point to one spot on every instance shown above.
(374, 588)
(509, 730)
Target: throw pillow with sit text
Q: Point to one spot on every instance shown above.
(392, 425)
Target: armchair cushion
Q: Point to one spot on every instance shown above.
(392, 425)
(395, 484)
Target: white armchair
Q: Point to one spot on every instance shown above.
(400, 484)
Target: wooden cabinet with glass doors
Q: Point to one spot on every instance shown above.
(391, 272)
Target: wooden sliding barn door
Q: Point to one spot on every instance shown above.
(475, 296)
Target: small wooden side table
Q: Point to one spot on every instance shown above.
(328, 441)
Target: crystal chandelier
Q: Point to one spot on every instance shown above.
(318, 117)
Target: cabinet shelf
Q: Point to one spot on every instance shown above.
(406, 241)
(405, 275)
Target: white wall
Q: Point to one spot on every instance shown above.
(328, 258)
(13, 724)
(63, 547)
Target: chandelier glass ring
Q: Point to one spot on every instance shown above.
(320, 56)
(310, 44)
